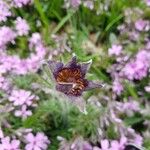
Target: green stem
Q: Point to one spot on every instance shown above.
(62, 22)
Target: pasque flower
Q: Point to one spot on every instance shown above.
(70, 78)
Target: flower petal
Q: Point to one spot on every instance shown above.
(72, 63)
(85, 67)
(55, 67)
(65, 88)
(93, 85)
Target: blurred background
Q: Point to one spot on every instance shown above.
(114, 34)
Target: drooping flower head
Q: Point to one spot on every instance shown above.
(70, 78)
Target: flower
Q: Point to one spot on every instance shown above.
(21, 97)
(140, 24)
(147, 2)
(147, 89)
(21, 3)
(75, 3)
(22, 26)
(6, 144)
(114, 144)
(89, 4)
(70, 78)
(24, 113)
(138, 68)
(4, 11)
(35, 40)
(38, 142)
(4, 84)
(117, 87)
(6, 35)
(115, 50)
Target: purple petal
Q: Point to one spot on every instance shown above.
(93, 85)
(85, 67)
(65, 88)
(72, 63)
(55, 67)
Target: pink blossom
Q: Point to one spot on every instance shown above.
(114, 144)
(21, 97)
(115, 50)
(35, 40)
(21, 3)
(138, 140)
(89, 4)
(4, 10)
(75, 3)
(104, 144)
(37, 142)
(87, 146)
(7, 144)
(147, 89)
(117, 87)
(6, 35)
(147, 2)
(22, 26)
(138, 68)
(140, 24)
(4, 84)
(24, 113)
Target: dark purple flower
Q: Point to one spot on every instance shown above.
(70, 78)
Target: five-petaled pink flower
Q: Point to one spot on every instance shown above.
(7, 144)
(38, 142)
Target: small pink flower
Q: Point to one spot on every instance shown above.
(21, 3)
(6, 35)
(117, 87)
(115, 50)
(147, 89)
(140, 24)
(4, 11)
(22, 26)
(24, 113)
(21, 97)
(38, 142)
(147, 2)
(75, 3)
(6, 144)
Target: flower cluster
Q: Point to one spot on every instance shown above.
(22, 99)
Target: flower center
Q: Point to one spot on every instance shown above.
(74, 77)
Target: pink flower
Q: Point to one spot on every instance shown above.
(38, 142)
(87, 146)
(21, 3)
(75, 3)
(140, 24)
(89, 4)
(148, 2)
(21, 97)
(22, 26)
(115, 50)
(138, 68)
(6, 144)
(4, 10)
(104, 144)
(117, 87)
(147, 89)
(35, 40)
(24, 113)
(4, 84)
(138, 140)
(6, 35)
